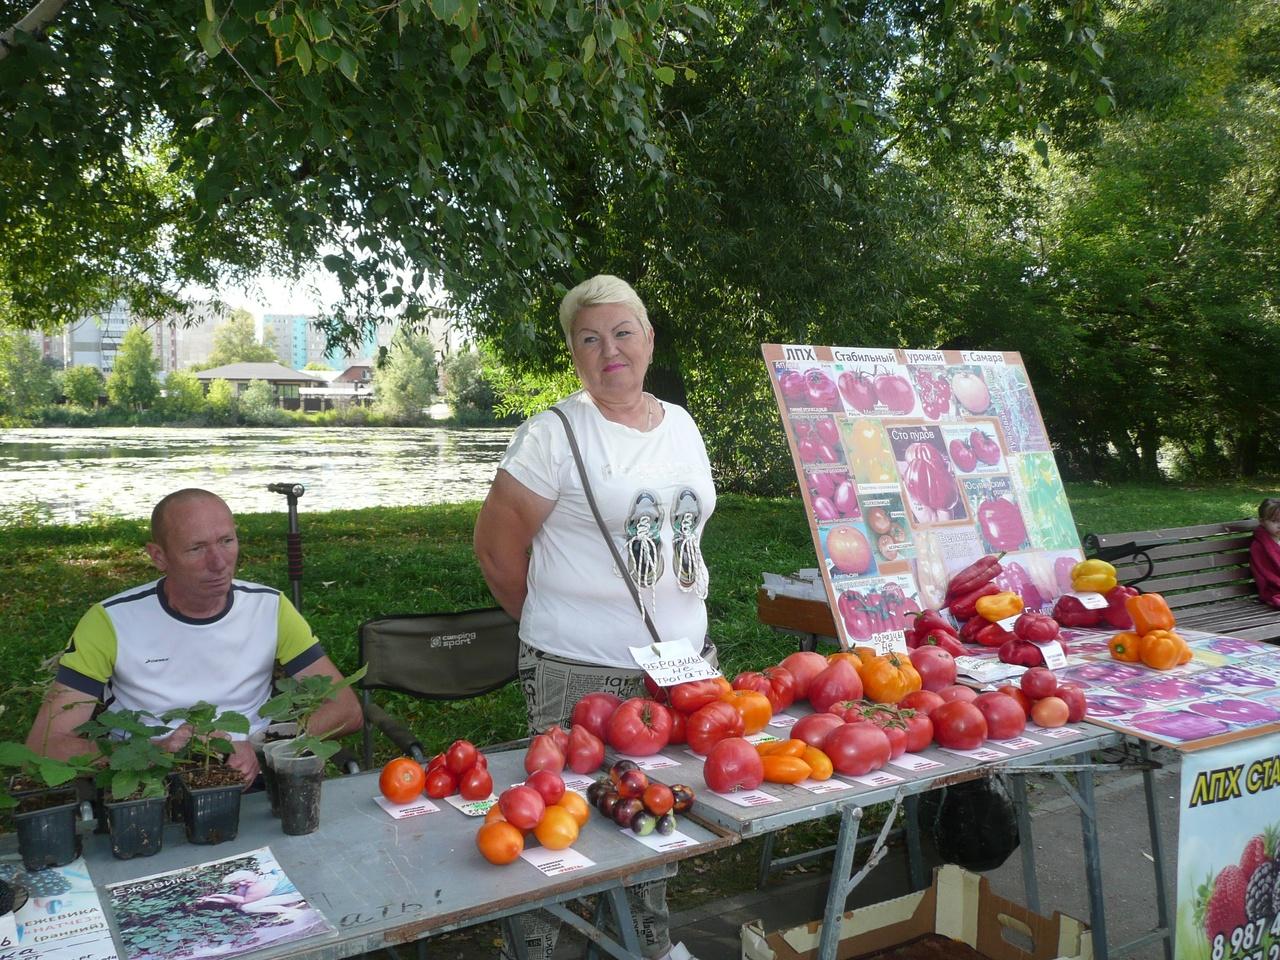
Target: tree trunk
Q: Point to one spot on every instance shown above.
(1149, 446)
(1248, 449)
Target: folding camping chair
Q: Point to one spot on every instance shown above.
(434, 656)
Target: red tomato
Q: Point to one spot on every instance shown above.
(922, 701)
(857, 748)
(1072, 694)
(476, 784)
(549, 785)
(733, 764)
(1016, 692)
(1004, 715)
(585, 752)
(959, 725)
(460, 757)
(436, 761)
(776, 683)
(850, 711)
(639, 727)
(658, 799)
(814, 728)
(1039, 682)
(958, 691)
(543, 754)
(594, 710)
(710, 724)
(803, 667)
(559, 734)
(688, 697)
(838, 682)
(402, 780)
(441, 783)
(919, 732)
(1050, 712)
(897, 734)
(678, 724)
(523, 806)
(936, 667)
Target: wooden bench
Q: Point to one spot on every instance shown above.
(1202, 571)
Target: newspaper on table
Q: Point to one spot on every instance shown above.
(62, 918)
(219, 909)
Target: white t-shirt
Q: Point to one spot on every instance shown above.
(578, 605)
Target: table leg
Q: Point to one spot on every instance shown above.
(1157, 850)
(629, 949)
(838, 891)
(1092, 860)
(514, 937)
(915, 856)
(1030, 886)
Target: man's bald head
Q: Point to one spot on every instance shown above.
(162, 515)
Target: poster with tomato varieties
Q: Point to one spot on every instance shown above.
(1229, 853)
(914, 463)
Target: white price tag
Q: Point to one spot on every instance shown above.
(761, 737)
(556, 862)
(749, 798)
(472, 808)
(877, 778)
(658, 761)
(1017, 743)
(1054, 656)
(1059, 733)
(831, 785)
(672, 662)
(987, 669)
(1089, 599)
(984, 754)
(402, 811)
(783, 720)
(576, 782)
(656, 841)
(1008, 622)
(914, 763)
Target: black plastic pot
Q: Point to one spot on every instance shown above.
(47, 837)
(210, 814)
(299, 780)
(137, 827)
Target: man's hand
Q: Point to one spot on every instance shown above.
(176, 740)
(244, 760)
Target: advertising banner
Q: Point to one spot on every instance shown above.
(912, 464)
(1228, 860)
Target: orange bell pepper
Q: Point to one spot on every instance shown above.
(998, 606)
(1149, 612)
(753, 707)
(889, 678)
(785, 769)
(820, 767)
(1126, 647)
(1161, 649)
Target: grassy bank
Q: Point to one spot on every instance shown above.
(361, 563)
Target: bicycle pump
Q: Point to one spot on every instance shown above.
(293, 542)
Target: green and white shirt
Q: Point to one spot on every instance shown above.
(135, 652)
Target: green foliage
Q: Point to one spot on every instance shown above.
(208, 728)
(236, 341)
(82, 386)
(221, 401)
(132, 383)
(297, 700)
(258, 405)
(24, 761)
(136, 765)
(466, 383)
(26, 384)
(184, 395)
(405, 381)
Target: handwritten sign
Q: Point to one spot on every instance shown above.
(672, 662)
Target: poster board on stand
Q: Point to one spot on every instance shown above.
(912, 464)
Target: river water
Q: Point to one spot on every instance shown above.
(73, 476)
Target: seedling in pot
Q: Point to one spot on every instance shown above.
(136, 764)
(208, 731)
(39, 771)
(298, 700)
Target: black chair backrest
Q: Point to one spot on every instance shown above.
(441, 656)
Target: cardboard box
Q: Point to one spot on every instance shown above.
(959, 905)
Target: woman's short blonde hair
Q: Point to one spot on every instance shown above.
(602, 288)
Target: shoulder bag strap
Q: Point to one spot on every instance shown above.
(604, 531)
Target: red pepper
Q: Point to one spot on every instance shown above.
(1036, 627)
(972, 627)
(1021, 653)
(946, 639)
(993, 635)
(1070, 612)
(964, 607)
(1116, 615)
(981, 571)
(925, 621)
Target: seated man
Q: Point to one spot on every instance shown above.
(195, 634)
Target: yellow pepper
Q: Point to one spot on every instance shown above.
(998, 606)
(1096, 575)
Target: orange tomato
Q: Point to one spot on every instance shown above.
(785, 769)
(819, 763)
(854, 660)
(494, 813)
(1125, 647)
(724, 685)
(402, 780)
(781, 748)
(499, 842)
(574, 803)
(754, 708)
(889, 678)
(557, 829)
